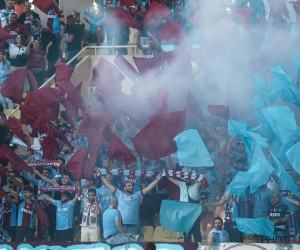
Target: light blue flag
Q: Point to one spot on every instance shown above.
(242, 130)
(293, 155)
(43, 247)
(282, 122)
(6, 247)
(101, 246)
(286, 179)
(168, 246)
(24, 247)
(296, 61)
(282, 86)
(178, 216)
(262, 92)
(260, 226)
(191, 150)
(239, 183)
(260, 167)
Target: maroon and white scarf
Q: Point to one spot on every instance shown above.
(48, 189)
(50, 163)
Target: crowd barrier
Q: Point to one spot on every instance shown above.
(141, 246)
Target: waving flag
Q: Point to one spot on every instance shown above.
(239, 183)
(191, 150)
(262, 92)
(286, 179)
(178, 216)
(293, 156)
(260, 226)
(260, 167)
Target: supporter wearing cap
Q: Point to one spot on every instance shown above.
(64, 215)
(27, 223)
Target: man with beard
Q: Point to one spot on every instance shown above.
(280, 215)
(190, 192)
(129, 203)
(15, 28)
(217, 234)
(5, 13)
(90, 229)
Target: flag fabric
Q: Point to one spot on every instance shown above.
(156, 14)
(15, 127)
(126, 67)
(282, 86)
(242, 15)
(159, 100)
(4, 35)
(178, 216)
(193, 106)
(128, 2)
(260, 167)
(49, 144)
(71, 112)
(136, 12)
(16, 162)
(145, 65)
(260, 226)
(74, 97)
(76, 164)
(172, 33)
(219, 110)
(286, 179)
(239, 183)
(42, 216)
(43, 5)
(262, 92)
(13, 85)
(3, 171)
(105, 72)
(282, 122)
(293, 156)
(89, 168)
(92, 126)
(119, 151)
(191, 150)
(63, 72)
(155, 140)
(122, 18)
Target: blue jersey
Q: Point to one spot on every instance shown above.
(110, 217)
(26, 214)
(129, 206)
(64, 215)
(104, 195)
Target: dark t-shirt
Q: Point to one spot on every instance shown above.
(278, 212)
(77, 30)
(36, 59)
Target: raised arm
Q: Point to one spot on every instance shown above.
(107, 184)
(46, 179)
(138, 42)
(297, 203)
(175, 181)
(216, 203)
(48, 198)
(229, 153)
(27, 50)
(151, 185)
(29, 178)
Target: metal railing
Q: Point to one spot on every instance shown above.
(84, 49)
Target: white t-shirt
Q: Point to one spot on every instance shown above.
(186, 191)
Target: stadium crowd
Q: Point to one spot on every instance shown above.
(108, 172)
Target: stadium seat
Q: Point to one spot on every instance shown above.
(160, 233)
(147, 231)
(9, 111)
(173, 238)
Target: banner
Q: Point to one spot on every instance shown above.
(50, 163)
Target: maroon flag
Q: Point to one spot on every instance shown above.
(128, 2)
(2, 193)
(156, 14)
(76, 164)
(74, 96)
(49, 144)
(3, 171)
(159, 100)
(119, 151)
(105, 72)
(92, 126)
(219, 110)
(108, 112)
(42, 216)
(63, 72)
(145, 65)
(126, 67)
(16, 162)
(172, 33)
(29, 115)
(70, 111)
(122, 18)
(193, 106)
(43, 5)
(16, 128)
(13, 85)
(57, 134)
(4, 35)
(155, 140)
(90, 166)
